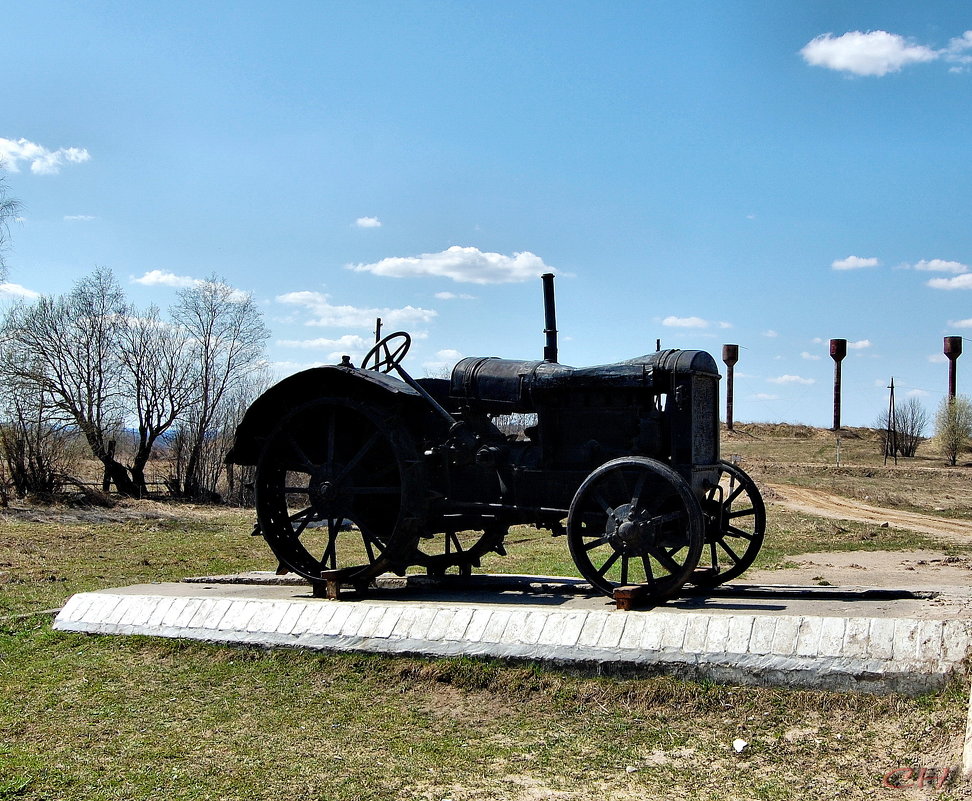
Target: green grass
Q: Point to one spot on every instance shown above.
(108, 718)
(135, 718)
(44, 561)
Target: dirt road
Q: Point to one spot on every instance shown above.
(823, 504)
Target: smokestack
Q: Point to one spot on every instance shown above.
(953, 349)
(730, 355)
(549, 318)
(838, 350)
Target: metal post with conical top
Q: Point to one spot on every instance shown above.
(953, 349)
(730, 355)
(838, 350)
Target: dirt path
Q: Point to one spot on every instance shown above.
(823, 504)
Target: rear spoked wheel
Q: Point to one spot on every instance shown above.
(635, 521)
(735, 521)
(339, 491)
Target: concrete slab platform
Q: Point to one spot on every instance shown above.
(836, 638)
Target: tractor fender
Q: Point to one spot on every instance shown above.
(318, 382)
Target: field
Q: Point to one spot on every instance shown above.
(118, 718)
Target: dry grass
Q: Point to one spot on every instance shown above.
(111, 718)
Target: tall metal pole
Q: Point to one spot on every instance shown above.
(891, 434)
(838, 350)
(730, 355)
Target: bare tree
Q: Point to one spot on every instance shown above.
(9, 209)
(953, 427)
(33, 445)
(910, 424)
(158, 381)
(72, 342)
(227, 335)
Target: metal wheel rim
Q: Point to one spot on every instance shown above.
(293, 504)
(661, 544)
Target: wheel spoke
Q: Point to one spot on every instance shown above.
(607, 565)
(639, 487)
(741, 513)
(370, 540)
(329, 559)
(362, 451)
(649, 574)
(732, 554)
(367, 544)
(665, 560)
(624, 569)
(734, 494)
(303, 514)
(738, 532)
(602, 540)
(295, 446)
(607, 508)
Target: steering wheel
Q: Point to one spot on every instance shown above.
(384, 357)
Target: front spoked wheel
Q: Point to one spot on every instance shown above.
(635, 521)
(339, 491)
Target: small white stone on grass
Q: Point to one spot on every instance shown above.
(739, 745)
(631, 769)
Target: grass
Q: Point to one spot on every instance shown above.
(131, 718)
(109, 718)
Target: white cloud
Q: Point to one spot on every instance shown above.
(8, 290)
(963, 281)
(956, 53)
(764, 396)
(938, 358)
(854, 263)
(462, 264)
(810, 356)
(685, 322)
(770, 333)
(350, 342)
(942, 266)
(961, 323)
(791, 379)
(860, 344)
(165, 278)
(917, 393)
(42, 161)
(453, 296)
(368, 222)
(326, 314)
(442, 364)
(872, 53)
(79, 217)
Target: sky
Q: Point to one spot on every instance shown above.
(767, 174)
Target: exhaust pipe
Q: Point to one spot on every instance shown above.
(549, 318)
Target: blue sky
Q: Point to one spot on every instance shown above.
(767, 174)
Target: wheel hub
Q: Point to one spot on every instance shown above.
(329, 497)
(627, 531)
